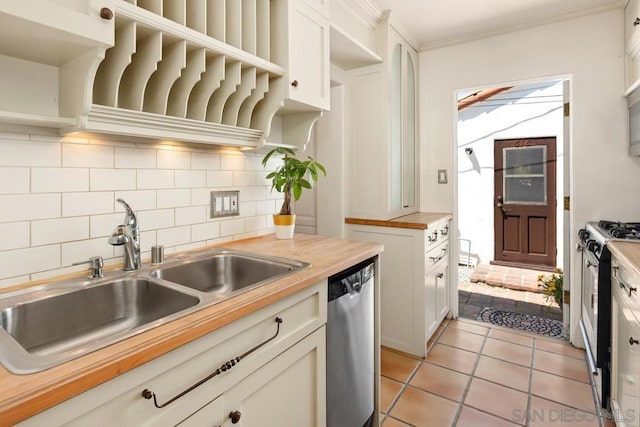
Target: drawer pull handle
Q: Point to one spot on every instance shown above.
(445, 232)
(632, 341)
(621, 283)
(435, 259)
(636, 22)
(433, 237)
(148, 394)
(632, 289)
(440, 275)
(235, 416)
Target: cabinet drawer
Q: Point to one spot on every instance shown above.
(436, 256)
(625, 286)
(436, 234)
(120, 402)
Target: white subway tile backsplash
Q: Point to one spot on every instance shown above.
(76, 204)
(190, 179)
(219, 179)
(58, 198)
(207, 231)
(24, 153)
(26, 261)
(210, 161)
(103, 225)
(255, 223)
(153, 220)
(232, 226)
(155, 178)
(25, 207)
(59, 230)
(172, 159)
(14, 180)
(173, 198)
(174, 236)
(244, 178)
(83, 250)
(265, 207)
(200, 196)
(232, 162)
(138, 200)
(15, 235)
(135, 158)
(59, 180)
(112, 179)
(191, 215)
(87, 155)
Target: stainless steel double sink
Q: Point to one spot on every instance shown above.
(44, 326)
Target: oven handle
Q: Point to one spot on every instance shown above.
(624, 286)
(590, 360)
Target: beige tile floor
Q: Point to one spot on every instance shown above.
(477, 374)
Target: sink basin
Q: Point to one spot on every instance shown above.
(227, 271)
(54, 326)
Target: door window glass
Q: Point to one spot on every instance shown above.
(525, 175)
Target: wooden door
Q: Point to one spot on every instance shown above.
(525, 202)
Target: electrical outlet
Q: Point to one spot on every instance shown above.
(225, 203)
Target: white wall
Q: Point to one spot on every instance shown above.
(525, 111)
(589, 51)
(57, 200)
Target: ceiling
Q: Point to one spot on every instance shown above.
(432, 23)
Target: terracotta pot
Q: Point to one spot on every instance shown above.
(285, 226)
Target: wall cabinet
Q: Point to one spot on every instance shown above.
(383, 144)
(414, 284)
(214, 72)
(625, 348)
(632, 44)
(281, 383)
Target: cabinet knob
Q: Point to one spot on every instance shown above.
(106, 13)
(294, 83)
(632, 341)
(636, 22)
(235, 416)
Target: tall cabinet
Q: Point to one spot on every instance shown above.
(383, 133)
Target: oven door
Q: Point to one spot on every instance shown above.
(590, 299)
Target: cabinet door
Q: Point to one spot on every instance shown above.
(289, 391)
(442, 294)
(210, 415)
(308, 56)
(626, 364)
(631, 13)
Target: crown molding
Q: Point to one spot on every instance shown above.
(521, 25)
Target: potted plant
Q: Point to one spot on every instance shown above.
(289, 178)
(551, 287)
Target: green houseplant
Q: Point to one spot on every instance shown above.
(290, 178)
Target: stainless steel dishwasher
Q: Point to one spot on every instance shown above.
(350, 373)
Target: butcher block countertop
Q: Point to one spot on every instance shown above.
(24, 395)
(628, 255)
(416, 221)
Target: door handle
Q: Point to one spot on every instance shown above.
(500, 206)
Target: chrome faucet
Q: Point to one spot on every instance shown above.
(128, 235)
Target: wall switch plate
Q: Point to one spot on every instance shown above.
(225, 203)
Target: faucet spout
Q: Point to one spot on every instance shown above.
(128, 236)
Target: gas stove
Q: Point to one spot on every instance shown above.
(595, 235)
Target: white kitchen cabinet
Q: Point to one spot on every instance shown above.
(632, 44)
(625, 349)
(384, 132)
(288, 368)
(213, 72)
(414, 284)
(47, 49)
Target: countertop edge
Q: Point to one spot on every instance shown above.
(34, 393)
(416, 221)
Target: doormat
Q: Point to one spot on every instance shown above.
(523, 322)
